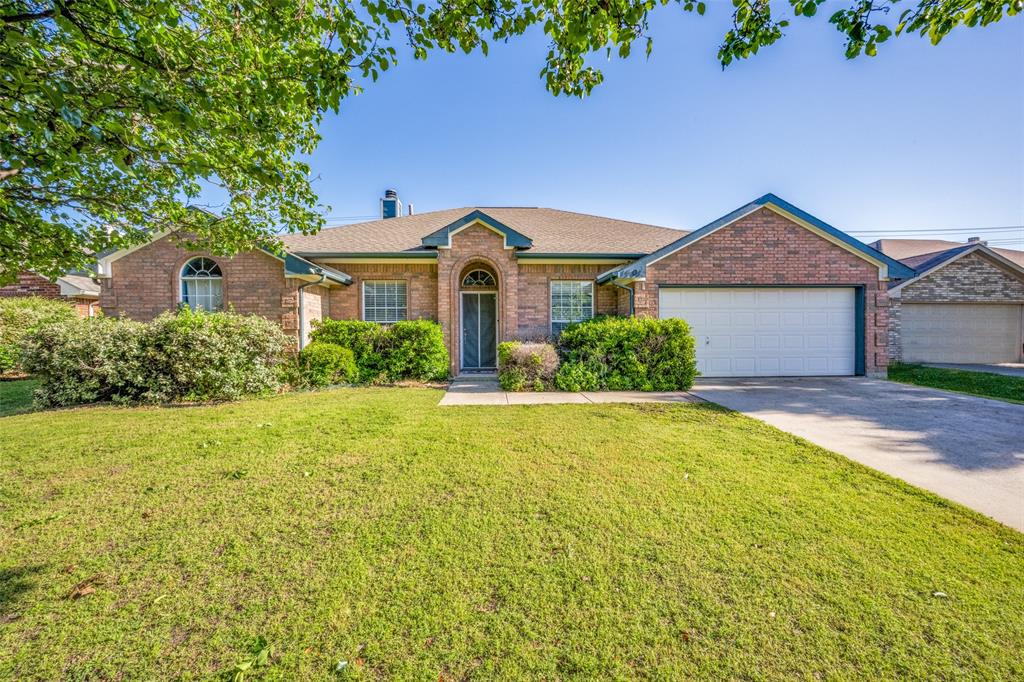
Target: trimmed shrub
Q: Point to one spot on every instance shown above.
(622, 354)
(412, 349)
(526, 366)
(87, 360)
(362, 338)
(415, 349)
(23, 315)
(324, 364)
(200, 356)
(188, 356)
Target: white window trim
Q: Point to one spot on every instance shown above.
(182, 279)
(551, 302)
(403, 282)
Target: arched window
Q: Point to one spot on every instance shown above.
(201, 284)
(478, 278)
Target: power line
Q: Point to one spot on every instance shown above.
(946, 230)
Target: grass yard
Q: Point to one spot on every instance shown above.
(16, 396)
(417, 542)
(984, 384)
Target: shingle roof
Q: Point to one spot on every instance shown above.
(913, 252)
(82, 283)
(552, 232)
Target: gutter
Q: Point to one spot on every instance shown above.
(632, 294)
(302, 306)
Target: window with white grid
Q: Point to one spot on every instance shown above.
(571, 301)
(384, 301)
(202, 285)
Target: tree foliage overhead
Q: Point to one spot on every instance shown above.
(117, 115)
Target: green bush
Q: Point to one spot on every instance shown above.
(200, 356)
(415, 350)
(621, 354)
(21, 316)
(324, 364)
(404, 350)
(90, 360)
(526, 366)
(184, 356)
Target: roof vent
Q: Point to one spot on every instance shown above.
(390, 205)
(976, 240)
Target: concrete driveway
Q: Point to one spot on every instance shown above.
(970, 450)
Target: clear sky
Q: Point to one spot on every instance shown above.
(918, 138)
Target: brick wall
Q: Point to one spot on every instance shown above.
(476, 245)
(346, 303)
(146, 282)
(534, 312)
(974, 278)
(764, 248)
(31, 284)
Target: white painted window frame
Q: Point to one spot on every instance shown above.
(404, 309)
(582, 283)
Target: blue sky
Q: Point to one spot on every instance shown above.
(919, 138)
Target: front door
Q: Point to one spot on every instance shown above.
(479, 330)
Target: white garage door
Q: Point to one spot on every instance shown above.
(745, 332)
(961, 332)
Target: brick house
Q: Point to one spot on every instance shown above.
(77, 288)
(768, 289)
(965, 304)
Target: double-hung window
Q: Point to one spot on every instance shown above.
(385, 301)
(571, 301)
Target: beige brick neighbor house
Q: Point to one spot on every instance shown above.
(768, 289)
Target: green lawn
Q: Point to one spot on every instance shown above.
(544, 542)
(985, 384)
(16, 396)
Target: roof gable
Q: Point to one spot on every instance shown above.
(945, 258)
(887, 266)
(442, 238)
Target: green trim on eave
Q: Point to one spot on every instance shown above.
(443, 237)
(527, 255)
(431, 255)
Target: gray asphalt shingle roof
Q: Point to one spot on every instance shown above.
(552, 232)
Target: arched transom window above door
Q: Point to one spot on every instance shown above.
(478, 279)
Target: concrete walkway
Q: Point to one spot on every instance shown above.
(967, 449)
(484, 390)
(1010, 369)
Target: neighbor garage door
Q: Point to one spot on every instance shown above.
(744, 332)
(960, 332)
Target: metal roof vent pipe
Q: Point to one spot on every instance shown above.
(409, 211)
(390, 205)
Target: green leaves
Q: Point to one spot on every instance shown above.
(114, 116)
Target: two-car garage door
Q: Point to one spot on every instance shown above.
(961, 332)
(747, 331)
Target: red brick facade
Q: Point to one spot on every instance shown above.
(761, 249)
(766, 249)
(31, 284)
(146, 282)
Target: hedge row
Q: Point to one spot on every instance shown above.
(184, 356)
(606, 353)
(411, 350)
(19, 317)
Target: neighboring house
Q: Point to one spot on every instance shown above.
(768, 289)
(964, 305)
(79, 289)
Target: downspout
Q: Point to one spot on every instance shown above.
(302, 306)
(632, 309)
